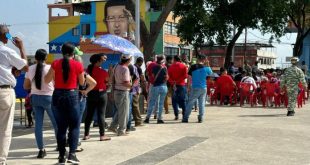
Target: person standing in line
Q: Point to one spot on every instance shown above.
(136, 97)
(84, 89)
(198, 74)
(292, 76)
(65, 101)
(158, 90)
(168, 63)
(97, 98)
(8, 59)
(177, 76)
(41, 97)
(121, 87)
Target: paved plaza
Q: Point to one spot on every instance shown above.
(228, 136)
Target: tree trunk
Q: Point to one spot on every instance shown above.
(297, 50)
(148, 38)
(230, 47)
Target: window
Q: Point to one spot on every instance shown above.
(170, 51)
(85, 29)
(170, 28)
(75, 31)
(186, 51)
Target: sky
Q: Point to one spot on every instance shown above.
(29, 18)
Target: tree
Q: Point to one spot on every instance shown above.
(297, 11)
(219, 17)
(148, 37)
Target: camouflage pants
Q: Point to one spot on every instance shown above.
(292, 97)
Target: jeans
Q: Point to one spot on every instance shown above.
(121, 101)
(82, 107)
(66, 109)
(196, 93)
(40, 104)
(157, 95)
(179, 99)
(96, 101)
(130, 111)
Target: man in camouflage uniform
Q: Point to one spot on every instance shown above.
(292, 76)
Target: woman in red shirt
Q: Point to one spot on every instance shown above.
(65, 103)
(97, 97)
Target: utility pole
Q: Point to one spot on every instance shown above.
(245, 42)
(233, 50)
(137, 18)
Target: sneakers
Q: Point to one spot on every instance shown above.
(147, 120)
(184, 121)
(155, 116)
(176, 118)
(122, 134)
(160, 122)
(199, 119)
(130, 129)
(290, 113)
(72, 159)
(41, 154)
(61, 160)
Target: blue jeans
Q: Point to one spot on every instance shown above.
(157, 95)
(130, 111)
(196, 93)
(41, 103)
(179, 99)
(82, 107)
(66, 109)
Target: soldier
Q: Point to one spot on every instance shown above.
(292, 76)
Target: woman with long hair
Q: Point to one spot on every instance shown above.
(41, 96)
(66, 108)
(97, 98)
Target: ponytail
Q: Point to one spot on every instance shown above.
(65, 68)
(40, 56)
(67, 50)
(90, 69)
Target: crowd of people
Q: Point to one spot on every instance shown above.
(71, 94)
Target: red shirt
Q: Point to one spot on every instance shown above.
(224, 79)
(177, 73)
(76, 69)
(100, 75)
(149, 70)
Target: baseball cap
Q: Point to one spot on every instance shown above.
(78, 52)
(126, 56)
(294, 60)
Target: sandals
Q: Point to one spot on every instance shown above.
(104, 138)
(86, 137)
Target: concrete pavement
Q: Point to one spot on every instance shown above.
(228, 136)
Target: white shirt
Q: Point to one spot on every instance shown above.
(249, 80)
(46, 89)
(9, 59)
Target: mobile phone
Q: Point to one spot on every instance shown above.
(9, 37)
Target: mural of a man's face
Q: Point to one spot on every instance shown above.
(117, 21)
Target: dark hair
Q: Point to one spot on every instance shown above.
(177, 58)
(160, 59)
(139, 60)
(112, 3)
(67, 50)
(93, 60)
(40, 56)
(201, 57)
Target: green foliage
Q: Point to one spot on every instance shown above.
(213, 20)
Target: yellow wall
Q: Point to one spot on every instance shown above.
(101, 27)
(61, 26)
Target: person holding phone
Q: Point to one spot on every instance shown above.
(8, 59)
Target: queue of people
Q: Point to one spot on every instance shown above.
(65, 90)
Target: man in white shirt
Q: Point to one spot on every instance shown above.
(249, 79)
(8, 59)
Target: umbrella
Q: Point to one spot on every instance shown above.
(215, 75)
(118, 44)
